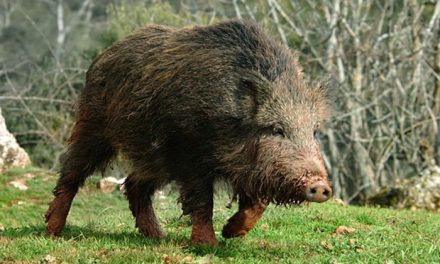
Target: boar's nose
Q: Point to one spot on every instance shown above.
(318, 192)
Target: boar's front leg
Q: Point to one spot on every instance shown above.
(249, 212)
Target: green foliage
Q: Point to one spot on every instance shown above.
(42, 88)
(101, 229)
(124, 19)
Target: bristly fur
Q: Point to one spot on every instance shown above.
(193, 106)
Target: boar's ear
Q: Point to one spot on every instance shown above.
(325, 96)
(326, 88)
(251, 84)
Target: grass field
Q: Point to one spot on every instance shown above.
(101, 230)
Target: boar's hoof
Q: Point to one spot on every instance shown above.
(154, 233)
(198, 241)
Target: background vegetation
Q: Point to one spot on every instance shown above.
(382, 57)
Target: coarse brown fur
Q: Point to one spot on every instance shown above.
(196, 105)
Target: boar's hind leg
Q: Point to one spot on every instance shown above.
(197, 200)
(139, 197)
(85, 153)
(240, 223)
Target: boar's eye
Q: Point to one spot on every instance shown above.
(316, 131)
(278, 131)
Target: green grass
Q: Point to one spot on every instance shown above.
(101, 229)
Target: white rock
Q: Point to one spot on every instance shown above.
(11, 154)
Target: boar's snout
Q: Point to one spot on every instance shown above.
(318, 192)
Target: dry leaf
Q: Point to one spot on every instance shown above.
(19, 184)
(177, 259)
(188, 259)
(29, 175)
(351, 241)
(263, 243)
(326, 245)
(265, 227)
(49, 259)
(339, 202)
(343, 230)
(206, 259)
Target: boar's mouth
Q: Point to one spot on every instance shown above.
(272, 184)
(275, 179)
(280, 189)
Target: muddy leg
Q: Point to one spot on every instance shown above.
(249, 212)
(202, 229)
(57, 213)
(199, 204)
(85, 154)
(139, 196)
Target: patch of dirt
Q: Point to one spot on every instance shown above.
(20, 183)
